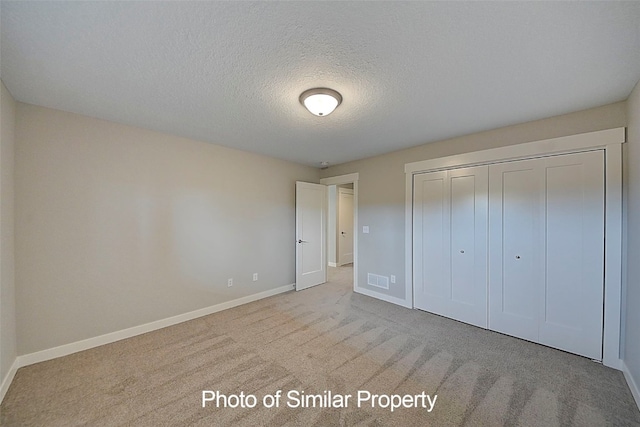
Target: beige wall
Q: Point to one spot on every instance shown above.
(8, 351)
(381, 186)
(118, 226)
(631, 322)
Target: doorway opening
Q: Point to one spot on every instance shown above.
(342, 227)
(340, 231)
(340, 234)
(341, 276)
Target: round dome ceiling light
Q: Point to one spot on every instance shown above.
(320, 101)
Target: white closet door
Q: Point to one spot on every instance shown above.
(546, 246)
(515, 247)
(431, 267)
(571, 313)
(468, 251)
(450, 249)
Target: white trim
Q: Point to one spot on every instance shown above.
(408, 241)
(348, 179)
(633, 386)
(564, 144)
(64, 350)
(340, 179)
(383, 297)
(332, 264)
(6, 381)
(612, 256)
(611, 141)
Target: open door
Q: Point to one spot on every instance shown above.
(311, 247)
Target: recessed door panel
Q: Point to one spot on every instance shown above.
(468, 249)
(514, 247)
(430, 248)
(519, 239)
(572, 291)
(462, 239)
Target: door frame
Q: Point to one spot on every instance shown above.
(351, 178)
(610, 141)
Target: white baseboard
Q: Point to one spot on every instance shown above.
(614, 362)
(633, 385)
(332, 264)
(64, 350)
(6, 381)
(383, 297)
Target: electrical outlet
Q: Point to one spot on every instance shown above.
(230, 282)
(255, 277)
(393, 279)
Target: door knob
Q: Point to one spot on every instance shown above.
(302, 241)
(462, 251)
(517, 256)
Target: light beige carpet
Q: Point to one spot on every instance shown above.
(323, 338)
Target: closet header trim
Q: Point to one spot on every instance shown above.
(564, 144)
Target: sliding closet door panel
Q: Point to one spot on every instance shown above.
(431, 244)
(572, 294)
(468, 236)
(515, 247)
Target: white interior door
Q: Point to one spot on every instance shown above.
(431, 269)
(345, 226)
(547, 251)
(311, 248)
(468, 233)
(515, 245)
(450, 244)
(571, 313)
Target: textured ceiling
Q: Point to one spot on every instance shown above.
(230, 73)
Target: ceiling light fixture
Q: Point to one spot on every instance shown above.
(320, 101)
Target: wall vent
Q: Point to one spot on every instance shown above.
(378, 281)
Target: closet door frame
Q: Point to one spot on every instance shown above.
(610, 141)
